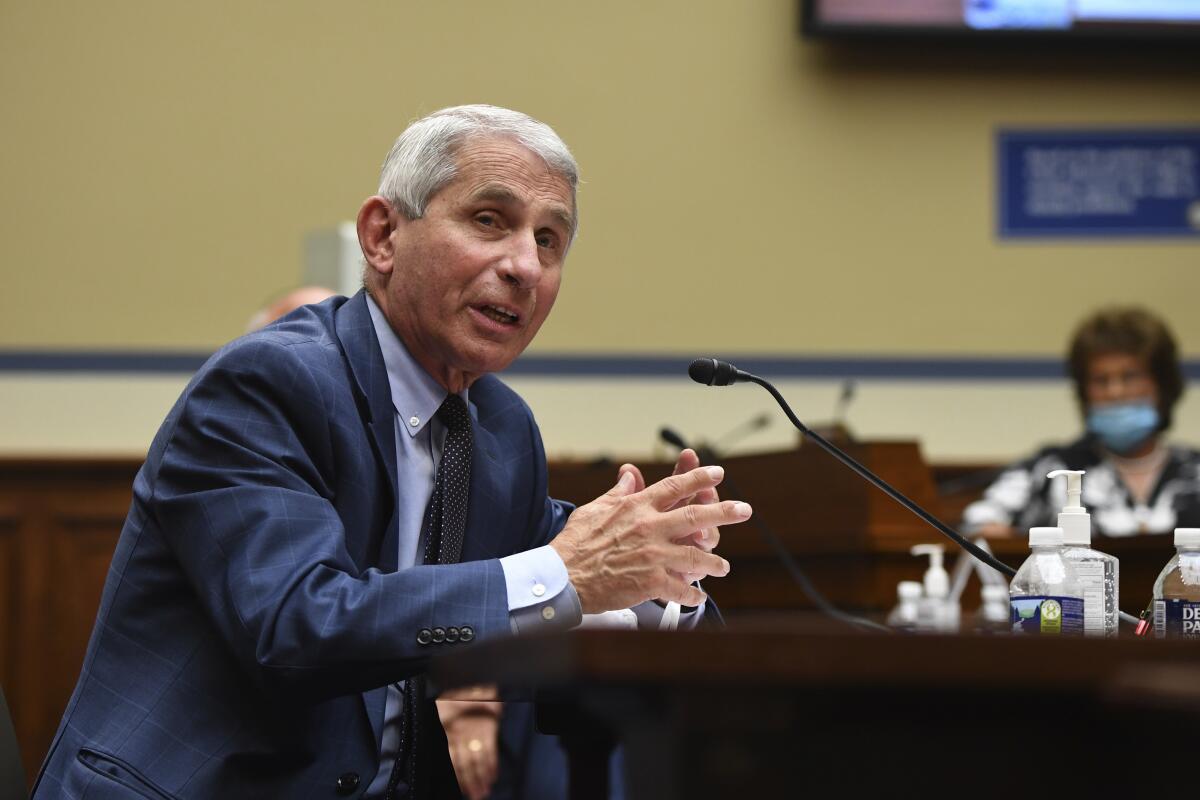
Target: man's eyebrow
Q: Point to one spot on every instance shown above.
(494, 192)
(497, 193)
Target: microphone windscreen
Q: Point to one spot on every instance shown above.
(713, 372)
(703, 370)
(672, 438)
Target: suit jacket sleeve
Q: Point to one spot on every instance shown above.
(243, 495)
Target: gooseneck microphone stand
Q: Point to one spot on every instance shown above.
(713, 372)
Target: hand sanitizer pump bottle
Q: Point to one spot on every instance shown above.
(993, 615)
(935, 612)
(904, 615)
(1098, 572)
(1044, 595)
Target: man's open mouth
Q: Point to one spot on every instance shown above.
(505, 316)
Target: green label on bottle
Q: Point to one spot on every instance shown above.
(1047, 614)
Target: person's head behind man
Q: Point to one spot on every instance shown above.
(1125, 367)
(465, 242)
(287, 303)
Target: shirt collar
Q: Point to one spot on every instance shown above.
(415, 394)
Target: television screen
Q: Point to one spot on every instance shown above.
(1103, 18)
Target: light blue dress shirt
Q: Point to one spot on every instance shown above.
(539, 592)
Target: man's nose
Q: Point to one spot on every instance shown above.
(522, 266)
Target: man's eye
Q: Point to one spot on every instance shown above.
(547, 240)
(485, 219)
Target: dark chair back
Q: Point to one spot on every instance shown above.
(12, 776)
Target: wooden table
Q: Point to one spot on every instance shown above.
(783, 709)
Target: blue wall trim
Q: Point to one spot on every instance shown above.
(537, 365)
(101, 362)
(801, 367)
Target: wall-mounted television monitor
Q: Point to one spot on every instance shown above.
(1104, 19)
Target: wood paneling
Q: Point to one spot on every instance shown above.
(60, 521)
(59, 524)
(8, 592)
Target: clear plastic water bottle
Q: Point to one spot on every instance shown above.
(1045, 596)
(1177, 590)
(904, 615)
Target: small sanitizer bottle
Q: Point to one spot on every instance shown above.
(1098, 572)
(936, 613)
(1045, 596)
(904, 615)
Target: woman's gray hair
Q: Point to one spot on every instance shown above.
(422, 160)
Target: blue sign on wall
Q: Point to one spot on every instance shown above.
(1099, 183)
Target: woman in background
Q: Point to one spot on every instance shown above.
(1125, 367)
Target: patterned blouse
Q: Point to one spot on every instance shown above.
(1023, 497)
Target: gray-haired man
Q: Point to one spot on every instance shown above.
(337, 497)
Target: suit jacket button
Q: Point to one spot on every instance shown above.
(466, 633)
(425, 636)
(439, 635)
(452, 635)
(347, 783)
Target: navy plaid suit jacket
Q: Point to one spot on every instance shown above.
(253, 607)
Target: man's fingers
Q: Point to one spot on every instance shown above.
(625, 485)
(687, 461)
(682, 592)
(689, 519)
(489, 767)
(670, 490)
(688, 560)
(639, 482)
(472, 769)
(707, 539)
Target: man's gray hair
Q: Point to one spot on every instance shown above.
(422, 160)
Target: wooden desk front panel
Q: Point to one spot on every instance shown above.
(60, 520)
(59, 525)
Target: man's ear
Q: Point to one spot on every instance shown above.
(375, 226)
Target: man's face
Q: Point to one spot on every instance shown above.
(473, 280)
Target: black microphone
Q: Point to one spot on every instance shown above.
(671, 437)
(712, 372)
(843, 403)
(706, 454)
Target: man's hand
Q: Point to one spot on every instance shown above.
(634, 544)
(471, 729)
(705, 539)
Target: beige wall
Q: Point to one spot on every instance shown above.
(163, 161)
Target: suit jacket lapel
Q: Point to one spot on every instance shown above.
(356, 333)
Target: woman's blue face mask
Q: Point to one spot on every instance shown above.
(1123, 426)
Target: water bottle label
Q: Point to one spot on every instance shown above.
(1177, 618)
(1046, 614)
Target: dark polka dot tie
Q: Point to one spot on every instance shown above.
(445, 525)
(447, 516)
